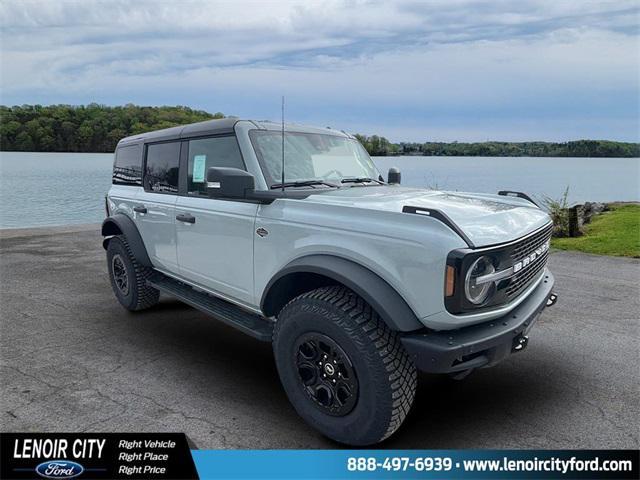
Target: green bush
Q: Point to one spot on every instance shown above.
(558, 209)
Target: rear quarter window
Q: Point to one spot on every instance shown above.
(161, 168)
(127, 165)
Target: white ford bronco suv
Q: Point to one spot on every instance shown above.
(357, 282)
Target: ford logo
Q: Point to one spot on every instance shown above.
(59, 469)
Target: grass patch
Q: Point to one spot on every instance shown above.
(616, 232)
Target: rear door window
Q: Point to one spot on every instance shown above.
(161, 167)
(127, 165)
(210, 152)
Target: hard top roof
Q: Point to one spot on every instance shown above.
(220, 127)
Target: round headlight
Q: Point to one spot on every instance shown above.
(478, 293)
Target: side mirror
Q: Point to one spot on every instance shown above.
(394, 176)
(229, 183)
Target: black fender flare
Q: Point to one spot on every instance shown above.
(122, 224)
(382, 297)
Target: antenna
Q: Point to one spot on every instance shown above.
(282, 143)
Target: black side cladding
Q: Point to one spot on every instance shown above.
(121, 224)
(384, 299)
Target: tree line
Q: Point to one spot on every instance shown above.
(90, 128)
(97, 128)
(380, 146)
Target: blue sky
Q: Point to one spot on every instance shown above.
(409, 70)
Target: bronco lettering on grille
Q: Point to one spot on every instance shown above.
(529, 259)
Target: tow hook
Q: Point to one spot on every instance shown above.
(519, 343)
(553, 298)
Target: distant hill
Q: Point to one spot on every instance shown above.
(97, 128)
(90, 128)
(579, 148)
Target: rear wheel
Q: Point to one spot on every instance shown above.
(128, 277)
(343, 369)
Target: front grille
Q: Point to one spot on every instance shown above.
(526, 253)
(523, 279)
(529, 244)
(520, 281)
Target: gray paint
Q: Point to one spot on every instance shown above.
(364, 225)
(158, 227)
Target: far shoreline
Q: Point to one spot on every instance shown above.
(105, 125)
(390, 155)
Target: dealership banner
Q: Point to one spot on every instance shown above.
(96, 455)
(172, 456)
(410, 464)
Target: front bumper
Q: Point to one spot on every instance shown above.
(481, 345)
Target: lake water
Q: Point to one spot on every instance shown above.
(588, 179)
(40, 189)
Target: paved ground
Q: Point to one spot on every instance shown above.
(73, 359)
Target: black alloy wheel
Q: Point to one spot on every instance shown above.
(344, 370)
(120, 277)
(326, 374)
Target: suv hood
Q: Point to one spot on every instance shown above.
(486, 219)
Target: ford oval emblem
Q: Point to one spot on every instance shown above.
(59, 469)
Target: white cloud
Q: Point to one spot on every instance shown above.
(451, 58)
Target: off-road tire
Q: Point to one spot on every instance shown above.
(386, 376)
(139, 295)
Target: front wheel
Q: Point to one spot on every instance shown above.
(343, 369)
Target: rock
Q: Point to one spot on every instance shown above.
(588, 210)
(579, 215)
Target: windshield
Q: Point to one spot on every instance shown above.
(311, 156)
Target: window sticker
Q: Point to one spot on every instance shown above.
(199, 163)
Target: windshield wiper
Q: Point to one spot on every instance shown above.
(303, 183)
(361, 180)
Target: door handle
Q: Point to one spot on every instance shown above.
(140, 209)
(185, 217)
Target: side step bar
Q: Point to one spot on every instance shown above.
(249, 323)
